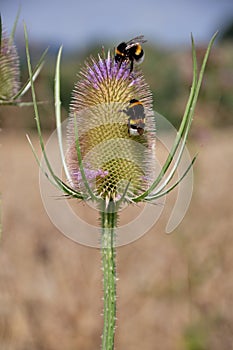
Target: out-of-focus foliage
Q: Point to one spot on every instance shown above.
(228, 32)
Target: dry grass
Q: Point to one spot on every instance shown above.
(175, 292)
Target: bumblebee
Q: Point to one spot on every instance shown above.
(136, 114)
(130, 51)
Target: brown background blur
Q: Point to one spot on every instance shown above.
(175, 292)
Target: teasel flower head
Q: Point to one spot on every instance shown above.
(11, 90)
(9, 67)
(112, 156)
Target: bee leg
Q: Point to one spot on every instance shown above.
(120, 62)
(128, 125)
(131, 66)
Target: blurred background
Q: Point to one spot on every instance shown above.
(174, 292)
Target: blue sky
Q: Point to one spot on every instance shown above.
(76, 23)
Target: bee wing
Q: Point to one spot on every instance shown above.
(138, 39)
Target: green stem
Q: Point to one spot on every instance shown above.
(108, 225)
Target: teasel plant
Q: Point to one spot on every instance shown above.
(11, 90)
(105, 164)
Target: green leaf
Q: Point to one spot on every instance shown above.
(123, 197)
(186, 120)
(35, 73)
(70, 191)
(57, 182)
(14, 26)
(19, 104)
(38, 161)
(161, 194)
(58, 113)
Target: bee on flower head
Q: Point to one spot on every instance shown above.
(130, 51)
(136, 114)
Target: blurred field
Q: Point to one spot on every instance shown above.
(174, 292)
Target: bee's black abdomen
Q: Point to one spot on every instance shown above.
(136, 114)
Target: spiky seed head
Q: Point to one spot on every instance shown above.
(9, 68)
(111, 156)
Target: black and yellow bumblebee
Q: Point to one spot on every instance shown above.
(136, 113)
(130, 51)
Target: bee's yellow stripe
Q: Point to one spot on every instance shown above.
(136, 121)
(138, 50)
(119, 52)
(135, 104)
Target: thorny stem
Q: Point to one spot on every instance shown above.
(108, 225)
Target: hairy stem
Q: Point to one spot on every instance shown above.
(108, 225)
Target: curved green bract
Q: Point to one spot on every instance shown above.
(186, 120)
